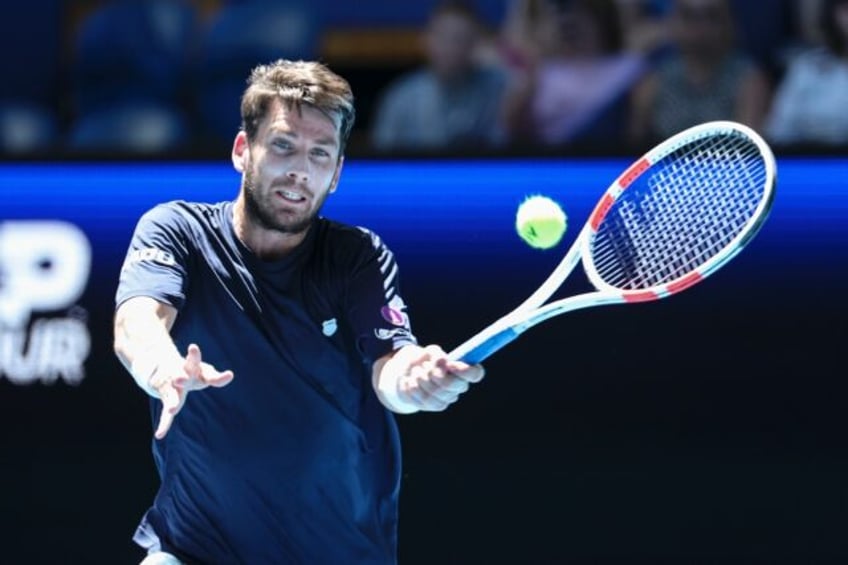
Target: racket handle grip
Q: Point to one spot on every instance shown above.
(474, 354)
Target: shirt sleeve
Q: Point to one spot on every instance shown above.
(156, 264)
(373, 303)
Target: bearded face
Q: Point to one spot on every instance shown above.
(289, 169)
(266, 207)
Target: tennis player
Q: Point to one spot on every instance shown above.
(289, 331)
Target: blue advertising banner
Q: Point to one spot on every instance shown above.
(660, 426)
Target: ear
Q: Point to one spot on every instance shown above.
(337, 175)
(241, 152)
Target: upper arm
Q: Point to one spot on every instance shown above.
(157, 261)
(373, 304)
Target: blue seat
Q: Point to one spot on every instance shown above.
(129, 76)
(394, 13)
(31, 66)
(30, 36)
(133, 49)
(130, 127)
(239, 37)
(27, 128)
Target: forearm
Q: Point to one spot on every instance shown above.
(142, 340)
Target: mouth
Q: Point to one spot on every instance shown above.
(291, 196)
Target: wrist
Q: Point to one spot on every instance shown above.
(143, 369)
(389, 390)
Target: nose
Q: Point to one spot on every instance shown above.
(297, 176)
(298, 170)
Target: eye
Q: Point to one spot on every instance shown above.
(282, 144)
(318, 152)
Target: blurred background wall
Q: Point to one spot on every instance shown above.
(706, 428)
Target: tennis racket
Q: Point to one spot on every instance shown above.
(678, 214)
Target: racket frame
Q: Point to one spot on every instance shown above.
(532, 312)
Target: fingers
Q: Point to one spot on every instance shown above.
(172, 399)
(416, 391)
(434, 382)
(441, 386)
(192, 368)
(455, 369)
(198, 375)
(466, 372)
(193, 361)
(216, 378)
(165, 420)
(173, 385)
(470, 373)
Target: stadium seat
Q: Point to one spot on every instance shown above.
(131, 58)
(27, 128)
(130, 127)
(239, 37)
(31, 67)
(133, 49)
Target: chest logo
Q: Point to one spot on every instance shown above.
(329, 327)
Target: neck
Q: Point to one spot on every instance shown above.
(267, 244)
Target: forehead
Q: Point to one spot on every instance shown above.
(300, 120)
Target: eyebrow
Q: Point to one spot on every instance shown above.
(328, 141)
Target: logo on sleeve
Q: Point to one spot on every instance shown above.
(393, 312)
(329, 327)
(386, 335)
(150, 254)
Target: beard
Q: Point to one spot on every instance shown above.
(259, 208)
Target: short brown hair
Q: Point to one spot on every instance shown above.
(296, 83)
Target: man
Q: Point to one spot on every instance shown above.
(290, 454)
(454, 101)
(703, 78)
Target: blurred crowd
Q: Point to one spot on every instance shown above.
(158, 76)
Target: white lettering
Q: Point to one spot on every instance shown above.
(57, 349)
(44, 266)
(150, 254)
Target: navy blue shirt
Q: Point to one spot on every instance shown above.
(296, 460)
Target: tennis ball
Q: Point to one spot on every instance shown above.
(540, 222)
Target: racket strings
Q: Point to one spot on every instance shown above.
(682, 212)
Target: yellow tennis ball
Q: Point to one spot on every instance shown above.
(540, 222)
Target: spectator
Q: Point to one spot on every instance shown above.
(452, 102)
(570, 75)
(703, 78)
(811, 103)
(644, 24)
(808, 16)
